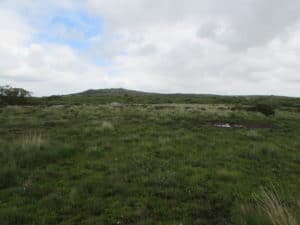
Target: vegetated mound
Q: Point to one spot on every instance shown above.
(264, 104)
(126, 96)
(109, 91)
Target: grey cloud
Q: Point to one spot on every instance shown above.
(203, 46)
(249, 22)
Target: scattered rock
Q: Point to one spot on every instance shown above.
(116, 104)
(245, 125)
(57, 106)
(222, 125)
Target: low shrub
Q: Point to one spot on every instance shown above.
(8, 176)
(266, 109)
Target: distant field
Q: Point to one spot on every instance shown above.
(143, 163)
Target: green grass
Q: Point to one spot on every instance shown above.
(145, 164)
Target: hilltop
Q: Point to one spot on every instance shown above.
(122, 95)
(109, 91)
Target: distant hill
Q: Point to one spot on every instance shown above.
(110, 92)
(124, 91)
(122, 95)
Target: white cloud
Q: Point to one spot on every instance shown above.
(43, 68)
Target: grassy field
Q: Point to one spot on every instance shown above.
(160, 164)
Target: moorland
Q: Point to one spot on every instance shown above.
(124, 157)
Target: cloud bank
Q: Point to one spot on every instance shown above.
(200, 46)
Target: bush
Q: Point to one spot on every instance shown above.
(13, 96)
(8, 176)
(14, 216)
(266, 109)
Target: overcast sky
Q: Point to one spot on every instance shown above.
(194, 46)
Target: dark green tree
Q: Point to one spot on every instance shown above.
(13, 96)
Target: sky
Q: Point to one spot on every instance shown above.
(232, 47)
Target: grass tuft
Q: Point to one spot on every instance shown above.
(107, 126)
(278, 213)
(266, 208)
(32, 140)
